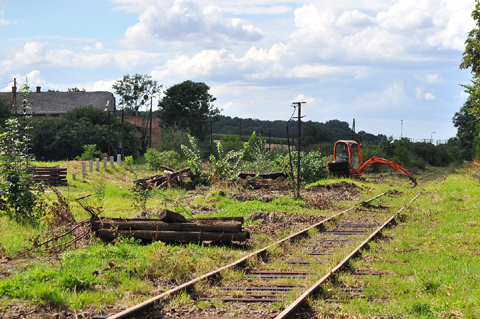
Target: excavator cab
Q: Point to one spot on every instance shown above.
(347, 158)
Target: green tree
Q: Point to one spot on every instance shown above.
(188, 105)
(471, 59)
(5, 111)
(314, 133)
(465, 123)
(136, 91)
(63, 137)
(20, 196)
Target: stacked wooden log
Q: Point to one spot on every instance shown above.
(53, 176)
(170, 177)
(171, 226)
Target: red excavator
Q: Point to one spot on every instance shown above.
(348, 161)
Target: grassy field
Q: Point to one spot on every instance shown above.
(429, 261)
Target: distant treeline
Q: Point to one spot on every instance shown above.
(312, 132)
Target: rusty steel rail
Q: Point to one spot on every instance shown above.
(130, 312)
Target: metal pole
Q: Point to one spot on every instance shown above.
(14, 97)
(123, 144)
(109, 141)
(269, 139)
(299, 104)
(289, 155)
(151, 119)
(299, 136)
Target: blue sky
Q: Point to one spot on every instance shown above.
(382, 62)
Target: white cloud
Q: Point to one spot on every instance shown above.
(187, 21)
(408, 15)
(418, 92)
(32, 52)
(232, 89)
(258, 9)
(203, 63)
(256, 63)
(429, 96)
(354, 19)
(101, 86)
(4, 21)
(399, 31)
(463, 95)
(420, 95)
(33, 79)
(452, 22)
(35, 53)
(312, 71)
(429, 78)
(395, 92)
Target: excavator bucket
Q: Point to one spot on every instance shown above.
(414, 181)
(339, 169)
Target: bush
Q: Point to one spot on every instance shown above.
(155, 158)
(128, 161)
(312, 167)
(172, 138)
(90, 152)
(195, 162)
(226, 165)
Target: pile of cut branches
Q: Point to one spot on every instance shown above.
(170, 178)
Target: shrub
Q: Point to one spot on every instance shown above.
(195, 162)
(225, 165)
(172, 139)
(128, 161)
(90, 152)
(155, 158)
(312, 166)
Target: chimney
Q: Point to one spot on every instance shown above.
(38, 89)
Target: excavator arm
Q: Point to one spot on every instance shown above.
(376, 159)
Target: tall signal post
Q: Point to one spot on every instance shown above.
(299, 117)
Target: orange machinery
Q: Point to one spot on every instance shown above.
(348, 161)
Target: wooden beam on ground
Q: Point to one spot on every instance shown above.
(111, 234)
(228, 227)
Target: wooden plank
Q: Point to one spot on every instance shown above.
(228, 227)
(111, 234)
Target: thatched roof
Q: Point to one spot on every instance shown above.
(57, 103)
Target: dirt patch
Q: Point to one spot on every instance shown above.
(276, 223)
(320, 196)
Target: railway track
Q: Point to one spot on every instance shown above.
(275, 281)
